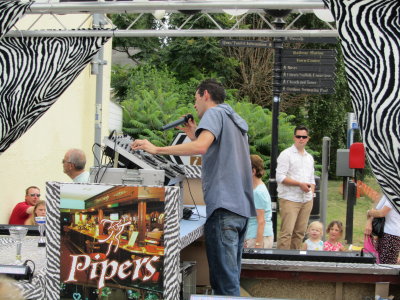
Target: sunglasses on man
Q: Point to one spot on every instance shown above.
(33, 195)
(301, 137)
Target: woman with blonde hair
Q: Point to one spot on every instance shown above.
(315, 231)
(38, 211)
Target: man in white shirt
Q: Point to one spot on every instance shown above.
(74, 166)
(296, 184)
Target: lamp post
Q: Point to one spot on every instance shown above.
(277, 90)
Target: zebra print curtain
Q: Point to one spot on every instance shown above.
(370, 38)
(34, 72)
(10, 13)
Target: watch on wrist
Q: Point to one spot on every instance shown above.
(258, 244)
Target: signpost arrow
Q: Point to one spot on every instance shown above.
(308, 82)
(321, 53)
(246, 43)
(308, 60)
(308, 75)
(307, 90)
(320, 68)
(321, 40)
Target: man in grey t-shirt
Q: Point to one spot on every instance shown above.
(221, 138)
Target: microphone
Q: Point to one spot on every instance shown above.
(181, 121)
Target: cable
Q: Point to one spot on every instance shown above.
(111, 162)
(194, 202)
(104, 165)
(97, 160)
(105, 170)
(115, 145)
(94, 154)
(30, 273)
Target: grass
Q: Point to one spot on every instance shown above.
(337, 207)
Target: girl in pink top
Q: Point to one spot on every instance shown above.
(335, 231)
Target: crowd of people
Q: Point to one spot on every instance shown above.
(238, 205)
(296, 184)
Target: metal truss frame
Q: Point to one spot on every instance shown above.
(190, 8)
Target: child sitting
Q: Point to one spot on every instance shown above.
(38, 211)
(335, 231)
(314, 234)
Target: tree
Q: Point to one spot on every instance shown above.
(197, 58)
(259, 120)
(155, 97)
(140, 48)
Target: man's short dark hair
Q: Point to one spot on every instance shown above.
(31, 187)
(214, 88)
(300, 127)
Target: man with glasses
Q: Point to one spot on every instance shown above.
(296, 184)
(23, 210)
(74, 166)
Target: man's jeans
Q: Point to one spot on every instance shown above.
(224, 234)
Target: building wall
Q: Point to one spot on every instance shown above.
(115, 117)
(36, 157)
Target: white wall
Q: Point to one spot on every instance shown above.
(115, 117)
(36, 157)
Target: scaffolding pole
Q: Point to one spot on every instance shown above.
(172, 33)
(147, 6)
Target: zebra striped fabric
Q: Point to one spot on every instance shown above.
(51, 280)
(192, 171)
(172, 280)
(34, 72)
(10, 13)
(370, 38)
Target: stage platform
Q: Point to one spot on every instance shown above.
(286, 274)
(339, 281)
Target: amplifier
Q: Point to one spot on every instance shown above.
(308, 255)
